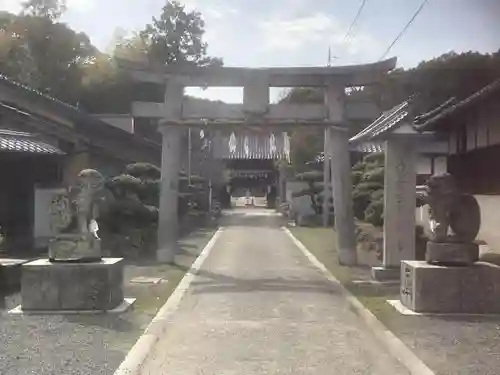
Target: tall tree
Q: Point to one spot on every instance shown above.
(45, 54)
(51, 9)
(176, 37)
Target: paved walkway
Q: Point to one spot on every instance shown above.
(258, 306)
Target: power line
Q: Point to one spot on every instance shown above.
(404, 29)
(349, 30)
(353, 23)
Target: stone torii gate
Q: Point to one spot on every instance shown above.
(178, 114)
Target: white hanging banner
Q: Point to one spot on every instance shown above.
(286, 145)
(246, 146)
(232, 143)
(272, 144)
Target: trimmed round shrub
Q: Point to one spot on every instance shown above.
(357, 176)
(143, 171)
(377, 195)
(375, 158)
(368, 186)
(359, 167)
(374, 213)
(310, 176)
(123, 184)
(361, 200)
(375, 175)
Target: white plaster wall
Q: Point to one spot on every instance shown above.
(490, 220)
(423, 164)
(441, 164)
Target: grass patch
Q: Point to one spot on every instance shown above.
(322, 243)
(150, 298)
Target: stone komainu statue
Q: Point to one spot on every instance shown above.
(73, 215)
(455, 220)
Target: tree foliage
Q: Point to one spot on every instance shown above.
(51, 9)
(38, 50)
(44, 54)
(368, 192)
(176, 37)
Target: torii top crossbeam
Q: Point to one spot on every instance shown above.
(352, 75)
(256, 109)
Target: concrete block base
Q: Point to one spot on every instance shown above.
(386, 273)
(428, 288)
(47, 286)
(10, 273)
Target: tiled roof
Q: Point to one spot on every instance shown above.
(432, 118)
(384, 123)
(11, 82)
(86, 124)
(12, 141)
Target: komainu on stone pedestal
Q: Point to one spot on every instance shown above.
(455, 221)
(73, 215)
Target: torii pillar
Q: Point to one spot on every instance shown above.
(168, 223)
(327, 181)
(341, 175)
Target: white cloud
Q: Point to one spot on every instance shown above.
(312, 31)
(219, 12)
(291, 34)
(210, 8)
(81, 6)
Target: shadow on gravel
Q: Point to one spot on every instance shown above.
(117, 323)
(219, 283)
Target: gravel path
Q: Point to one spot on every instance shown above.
(86, 345)
(452, 345)
(258, 306)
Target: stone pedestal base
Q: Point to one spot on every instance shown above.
(75, 247)
(452, 253)
(47, 286)
(386, 273)
(10, 273)
(428, 288)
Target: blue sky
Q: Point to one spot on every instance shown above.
(299, 32)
